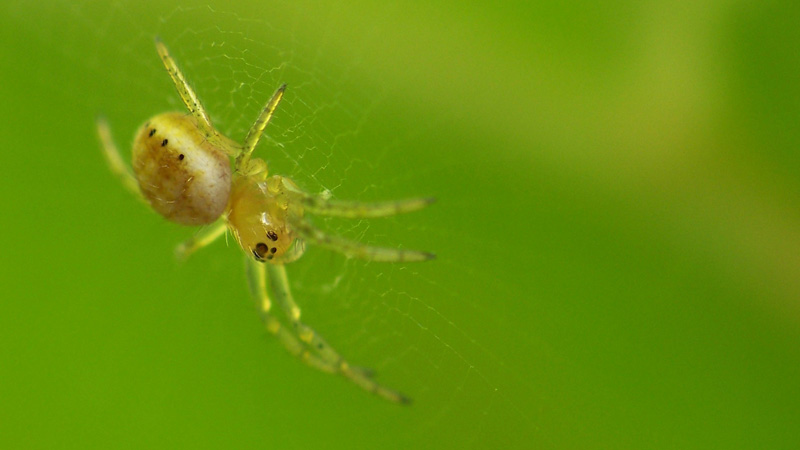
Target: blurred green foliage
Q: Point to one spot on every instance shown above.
(617, 226)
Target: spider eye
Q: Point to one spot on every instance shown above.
(261, 251)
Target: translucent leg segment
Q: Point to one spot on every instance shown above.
(204, 237)
(280, 289)
(319, 204)
(357, 250)
(188, 96)
(257, 129)
(302, 340)
(256, 274)
(115, 163)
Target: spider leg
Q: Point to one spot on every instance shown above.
(257, 129)
(188, 96)
(205, 236)
(324, 358)
(354, 249)
(258, 285)
(114, 159)
(320, 204)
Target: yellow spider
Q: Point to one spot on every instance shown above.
(181, 167)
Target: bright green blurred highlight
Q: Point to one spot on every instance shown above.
(617, 226)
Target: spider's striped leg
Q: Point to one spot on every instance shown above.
(257, 129)
(115, 163)
(279, 283)
(186, 92)
(362, 377)
(320, 204)
(257, 277)
(193, 104)
(203, 237)
(354, 249)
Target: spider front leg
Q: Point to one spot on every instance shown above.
(302, 340)
(321, 205)
(355, 249)
(258, 286)
(280, 288)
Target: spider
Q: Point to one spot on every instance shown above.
(182, 169)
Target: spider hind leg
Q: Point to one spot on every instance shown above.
(114, 159)
(186, 92)
(203, 238)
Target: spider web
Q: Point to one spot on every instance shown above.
(335, 130)
(617, 257)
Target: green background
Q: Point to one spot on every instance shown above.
(617, 227)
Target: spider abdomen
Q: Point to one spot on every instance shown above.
(183, 176)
